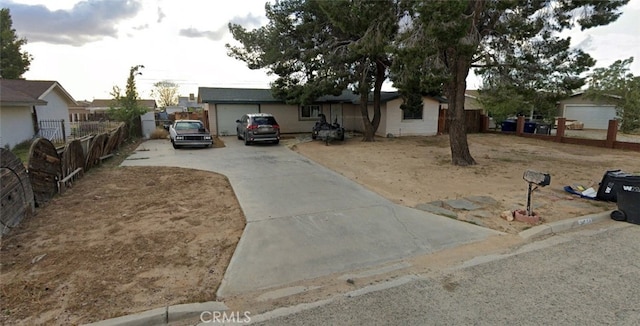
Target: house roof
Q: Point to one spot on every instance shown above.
(23, 92)
(235, 95)
(580, 93)
(259, 95)
(472, 93)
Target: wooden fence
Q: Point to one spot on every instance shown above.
(50, 171)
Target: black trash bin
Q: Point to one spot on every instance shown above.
(530, 127)
(629, 200)
(508, 125)
(543, 129)
(612, 182)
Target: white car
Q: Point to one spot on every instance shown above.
(189, 133)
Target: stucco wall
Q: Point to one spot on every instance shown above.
(427, 126)
(351, 118)
(56, 109)
(16, 125)
(288, 117)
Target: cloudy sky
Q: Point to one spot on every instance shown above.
(89, 46)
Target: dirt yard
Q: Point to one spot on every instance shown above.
(417, 170)
(122, 240)
(125, 240)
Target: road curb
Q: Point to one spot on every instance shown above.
(564, 225)
(165, 315)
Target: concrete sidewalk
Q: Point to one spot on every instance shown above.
(304, 220)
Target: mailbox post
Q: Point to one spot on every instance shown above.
(539, 179)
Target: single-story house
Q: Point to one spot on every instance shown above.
(226, 105)
(79, 112)
(189, 102)
(26, 106)
(594, 115)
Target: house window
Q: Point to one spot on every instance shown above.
(409, 114)
(309, 112)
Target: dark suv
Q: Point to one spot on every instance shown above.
(258, 127)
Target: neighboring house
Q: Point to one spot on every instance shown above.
(471, 101)
(226, 105)
(189, 102)
(79, 112)
(594, 115)
(26, 105)
(99, 107)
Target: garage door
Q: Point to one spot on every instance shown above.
(593, 117)
(227, 114)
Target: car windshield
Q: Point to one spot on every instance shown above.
(265, 121)
(188, 125)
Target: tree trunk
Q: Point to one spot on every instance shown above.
(377, 89)
(369, 132)
(371, 126)
(456, 88)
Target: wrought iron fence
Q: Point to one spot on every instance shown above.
(53, 130)
(81, 129)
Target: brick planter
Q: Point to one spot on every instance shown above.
(522, 216)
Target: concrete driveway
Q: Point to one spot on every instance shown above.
(304, 220)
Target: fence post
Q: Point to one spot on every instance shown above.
(484, 127)
(612, 132)
(520, 126)
(64, 131)
(562, 125)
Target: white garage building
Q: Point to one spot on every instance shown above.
(594, 115)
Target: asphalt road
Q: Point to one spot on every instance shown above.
(586, 277)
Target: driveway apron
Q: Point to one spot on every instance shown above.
(304, 220)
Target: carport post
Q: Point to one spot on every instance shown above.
(612, 132)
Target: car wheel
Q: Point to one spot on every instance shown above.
(246, 142)
(277, 142)
(174, 145)
(342, 136)
(238, 134)
(313, 136)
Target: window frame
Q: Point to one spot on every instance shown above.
(311, 109)
(413, 118)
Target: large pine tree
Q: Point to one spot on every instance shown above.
(443, 40)
(318, 47)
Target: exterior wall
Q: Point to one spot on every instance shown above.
(211, 113)
(56, 109)
(578, 99)
(16, 125)
(352, 118)
(148, 121)
(288, 117)
(427, 126)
